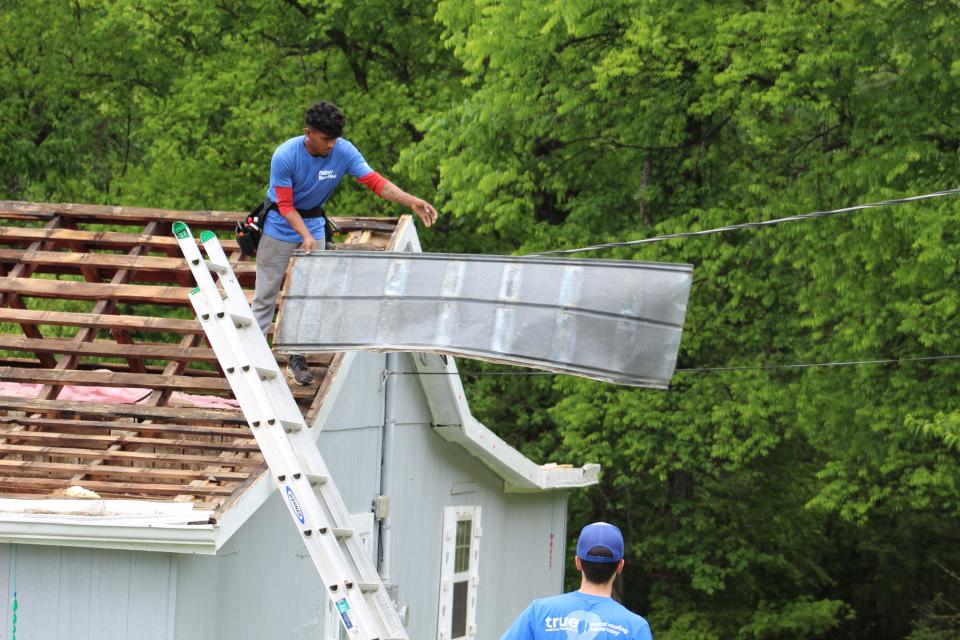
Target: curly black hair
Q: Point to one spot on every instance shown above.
(327, 118)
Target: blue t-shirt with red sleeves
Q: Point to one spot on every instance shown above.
(577, 615)
(313, 179)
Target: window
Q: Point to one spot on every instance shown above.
(459, 574)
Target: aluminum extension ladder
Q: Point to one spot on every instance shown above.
(288, 445)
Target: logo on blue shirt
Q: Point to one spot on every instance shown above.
(583, 625)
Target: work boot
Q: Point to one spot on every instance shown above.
(297, 370)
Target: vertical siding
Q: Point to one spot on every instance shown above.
(516, 563)
(68, 593)
(196, 597)
(266, 584)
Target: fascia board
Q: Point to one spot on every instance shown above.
(198, 539)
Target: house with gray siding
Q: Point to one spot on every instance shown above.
(177, 530)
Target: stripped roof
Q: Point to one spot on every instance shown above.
(96, 296)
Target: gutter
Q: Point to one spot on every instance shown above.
(199, 539)
(137, 525)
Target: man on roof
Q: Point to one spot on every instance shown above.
(304, 173)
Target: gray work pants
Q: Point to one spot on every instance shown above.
(273, 256)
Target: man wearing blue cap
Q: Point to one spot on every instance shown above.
(589, 613)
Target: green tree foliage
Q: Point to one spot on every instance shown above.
(763, 503)
(815, 502)
(179, 103)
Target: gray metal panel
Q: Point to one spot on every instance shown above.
(619, 321)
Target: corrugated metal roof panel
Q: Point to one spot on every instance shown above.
(618, 321)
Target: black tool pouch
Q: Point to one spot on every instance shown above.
(330, 230)
(249, 229)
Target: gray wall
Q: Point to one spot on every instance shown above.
(67, 593)
(262, 584)
(515, 560)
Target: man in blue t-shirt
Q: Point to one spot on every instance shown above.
(304, 173)
(589, 613)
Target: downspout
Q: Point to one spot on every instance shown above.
(386, 463)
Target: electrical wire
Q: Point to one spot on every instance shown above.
(761, 367)
(752, 225)
(809, 365)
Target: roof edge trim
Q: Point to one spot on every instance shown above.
(198, 539)
(454, 423)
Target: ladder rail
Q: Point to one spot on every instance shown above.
(288, 445)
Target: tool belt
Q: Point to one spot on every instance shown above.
(250, 228)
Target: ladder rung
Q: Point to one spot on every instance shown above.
(240, 320)
(316, 479)
(291, 425)
(216, 268)
(341, 533)
(266, 373)
(368, 587)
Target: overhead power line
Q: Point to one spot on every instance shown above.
(759, 367)
(753, 225)
(809, 365)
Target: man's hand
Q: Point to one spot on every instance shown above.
(308, 244)
(424, 211)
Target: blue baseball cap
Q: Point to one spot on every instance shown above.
(600, 534)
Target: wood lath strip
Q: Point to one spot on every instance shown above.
(100, 239)
(239, 431)
(139, 456)
(112, 488)
(192, 415)
(108, 261)
(119, 367)
(100, 321)
(113, 214)
(214, 220)
(103, 348)
(76, 439)
(146, 381)
(7, 466)
(76, 290)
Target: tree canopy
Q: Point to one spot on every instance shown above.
(757, 503)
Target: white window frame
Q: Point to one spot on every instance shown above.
(451, 516)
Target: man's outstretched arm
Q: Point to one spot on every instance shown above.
(392, 193)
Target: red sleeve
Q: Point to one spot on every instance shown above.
(284, 200)
(373, 181)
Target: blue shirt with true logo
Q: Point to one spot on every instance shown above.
(578, 616)
(313, 179)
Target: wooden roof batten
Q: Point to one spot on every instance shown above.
(95, 296)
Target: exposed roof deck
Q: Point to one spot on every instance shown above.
(96, 297)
